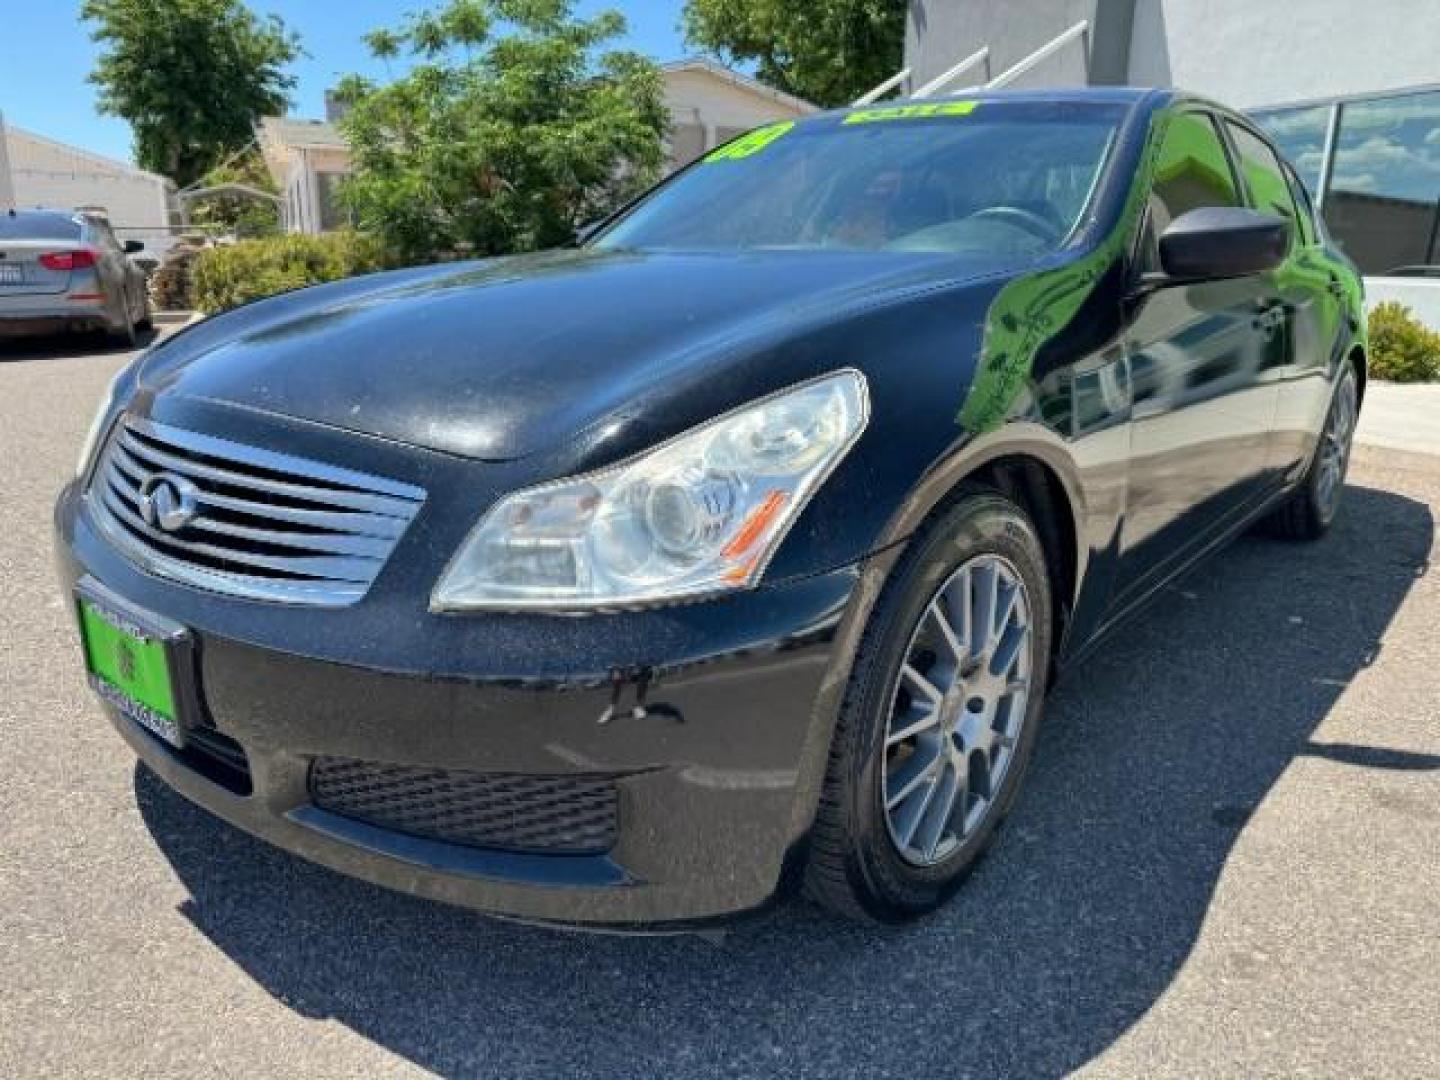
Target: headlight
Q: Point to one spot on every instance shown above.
(700, 514)
(97, 425)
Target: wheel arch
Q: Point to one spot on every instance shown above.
(1024, 460)
(1360, 362)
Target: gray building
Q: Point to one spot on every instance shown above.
(1350, 90)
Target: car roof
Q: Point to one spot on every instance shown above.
(1098, 95)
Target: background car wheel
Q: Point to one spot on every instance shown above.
(125, 335)
(940, 716)
(1309, 512)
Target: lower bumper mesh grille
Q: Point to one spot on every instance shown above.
(554, 815)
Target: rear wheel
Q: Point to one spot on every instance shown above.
(940, 718)
(1310, 510)
(125, 334)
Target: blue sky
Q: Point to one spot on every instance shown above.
(46, 53)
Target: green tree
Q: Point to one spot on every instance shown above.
(512, 128)
(191, 76)
(826, 51)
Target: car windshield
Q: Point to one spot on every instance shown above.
(951, 177)
(23, 226)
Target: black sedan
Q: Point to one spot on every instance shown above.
(733, 551)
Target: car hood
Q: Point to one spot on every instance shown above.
(499, 359)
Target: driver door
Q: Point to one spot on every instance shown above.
(1202, 359)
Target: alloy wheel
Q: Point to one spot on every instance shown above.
(957, 710)
(1335, 445)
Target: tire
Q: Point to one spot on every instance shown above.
(874, 861)
(125, 335)
(1309, 511)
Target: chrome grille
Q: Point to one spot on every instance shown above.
(259, 524)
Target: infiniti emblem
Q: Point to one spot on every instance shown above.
(168, 501)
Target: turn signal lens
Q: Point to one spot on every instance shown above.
(701, 514)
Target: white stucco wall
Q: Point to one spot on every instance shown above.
(1420, 295)
(7, 190)
(1250, 53)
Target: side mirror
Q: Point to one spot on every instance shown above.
(1222, 242)
(132, 247)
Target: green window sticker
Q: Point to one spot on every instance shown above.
(751, 144)
(911, 112)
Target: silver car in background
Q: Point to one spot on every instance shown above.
(66, 271)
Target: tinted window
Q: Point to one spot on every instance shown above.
(942, 177)
(1191, 172)
(103, 236)
(1264, 175)
(1300, 134)
(23, 226)
(1309, 223)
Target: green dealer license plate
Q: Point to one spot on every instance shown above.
(129, 667)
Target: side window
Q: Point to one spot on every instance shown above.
(101, 234)
(1193, 171)
(1264, 175)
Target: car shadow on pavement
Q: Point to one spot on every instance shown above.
(59, 346)
(1153, 757)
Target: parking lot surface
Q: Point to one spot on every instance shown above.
(1226, 861)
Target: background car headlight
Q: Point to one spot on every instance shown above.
(700, 514)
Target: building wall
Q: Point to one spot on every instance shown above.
(1420, 295)
(7, 190)
(941, 33)
(706, 110)
(51, 174)
(1250, 53)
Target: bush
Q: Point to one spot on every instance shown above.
(226, 277)
(172, 283)
(1402, 349)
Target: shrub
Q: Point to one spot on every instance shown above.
(1402, 349)
(226, 277)
(172, 283)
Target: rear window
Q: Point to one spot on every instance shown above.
(24, 226)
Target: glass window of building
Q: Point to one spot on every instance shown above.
(1383, 202)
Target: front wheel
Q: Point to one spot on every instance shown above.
(940, 717)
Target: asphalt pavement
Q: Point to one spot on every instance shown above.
(1226, 861)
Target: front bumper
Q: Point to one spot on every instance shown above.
(717, 778)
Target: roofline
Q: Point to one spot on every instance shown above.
(289, 145)
(90, 155)
(736, 78)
